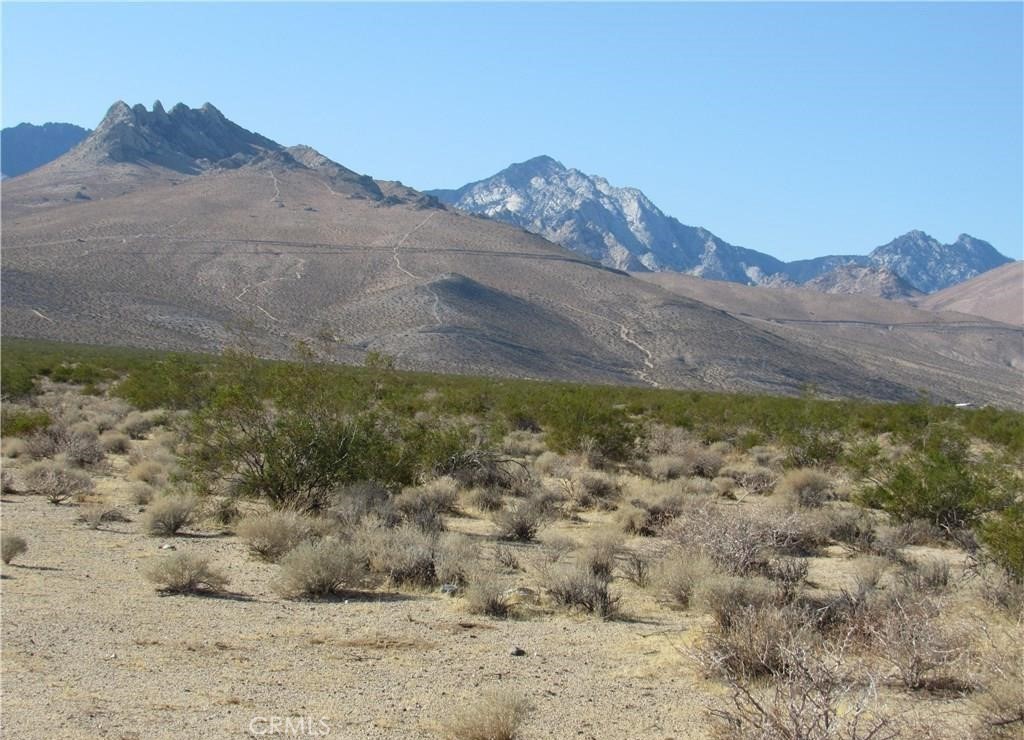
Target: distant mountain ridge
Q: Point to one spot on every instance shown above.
(622, 228)
(27, 146)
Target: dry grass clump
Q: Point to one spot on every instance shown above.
(185, 573)
(356, 502)
(315, 570)
(7, 482)
(593, 489)
(523, 443)
(728, 597)
(11, 546)
(681, 574)
(170, 514)
(704, 462)
(636, 567)
(647, 518)
(808, 487)
(486, 594)
(668, 467)
(140, 493)
(138, 423)
(82, 449)
(522, 520)
(13, 447)
(854, 528)
(495, 716)
(271, 535)
(149, 471)
(405, 555)
(96, 514)
(753, 479)
(552, 464)
(756, 641)
(47, 442)
(488, 499)
(1000, 706)
(424, 506)
(57, 482)
(930, 575)
(576, 587)
(601, 554)
(104, 422)
(455, 556)
(115, 443)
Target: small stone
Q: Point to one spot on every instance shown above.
(168, 547)
(517, 652)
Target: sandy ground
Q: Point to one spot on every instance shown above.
(90, 649)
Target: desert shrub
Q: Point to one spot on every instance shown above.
(104, 422)
(456, 555)
(488, 499)
(522, 520)
(578, 588)
(46, 442)
(495, 716)
(57, 482)
(681, 574)
(405, 555)
(752, 479)
(788, 574)
(479, 468)
(11, 546)
(115, 443)
(7, 482)
(929, 576)
(592, 489)
(941, 483)
(271, 535)
(583, 421)
(140, 493)
(757, 640)
(13, 447)
(1001, 589)
(647, 518)
(1000, 707)
(555, 547)
(96, 514)
(814, 448)
(224, 510)
(808, 487)
(909, 637)
(816, 696)
(1002, 533)
(82, 449)
(853, 528)
(703, 462)
(506, 557)
(320, 569)
(185, 573)
(727, 597)
(636, 568)
(486, 594)
(168, 515)
(522, 442)
(424, 505)
(552, 464)
(599, 557)
(352, 503)
(138, 423)
(668, 467)
(148, 471)
(23, 422)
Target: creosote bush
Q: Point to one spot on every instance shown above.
(315, 570)
(11, 546)
(168, 515)
(185, 573)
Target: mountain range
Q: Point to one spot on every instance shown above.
(622, 228)
(180, 229)
(27, 146)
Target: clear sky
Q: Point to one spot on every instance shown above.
(797, 129)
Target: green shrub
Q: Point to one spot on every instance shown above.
(23, 422)
(940, 483)
(582, 420)
(1002, 533)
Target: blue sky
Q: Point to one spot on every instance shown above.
(797, 129)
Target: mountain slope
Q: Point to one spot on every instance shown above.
(143, 236)
(879, 282)
(26, 146)
(929, 265)
(622, 228)
(997, 294)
